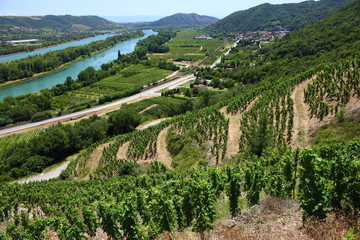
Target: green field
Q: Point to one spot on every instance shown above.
(16, 139)
(130, 79)
(184, 48)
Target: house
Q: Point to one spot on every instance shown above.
(201, 86)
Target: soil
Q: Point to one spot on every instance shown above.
(122, 153)
(301, 116)
(94, 159)
(162, 154)
(234, 129)
(305, 125)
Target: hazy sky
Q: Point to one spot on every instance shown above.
(217, 8)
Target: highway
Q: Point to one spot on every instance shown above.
(152, 92)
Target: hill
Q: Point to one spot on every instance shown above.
(61, 23)
(267, 16)
(132, 195)
(184, 19)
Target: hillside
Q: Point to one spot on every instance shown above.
(267, 16)
(183, 19)
(61, 23)
(233, 163)
(340, 30)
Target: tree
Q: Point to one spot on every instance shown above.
(119, 55)
(123, 121)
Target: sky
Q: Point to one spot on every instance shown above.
(216, 8)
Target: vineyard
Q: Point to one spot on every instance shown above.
(185, 174)
(167, 200)
(333, 88)
(18, 139)
(184, 48)
(128, 81)
(267, 125)
(120, 205)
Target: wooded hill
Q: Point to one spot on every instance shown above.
(61, 23)
(267, 16)
(184, 19)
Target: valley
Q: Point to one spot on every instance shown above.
(218, 130)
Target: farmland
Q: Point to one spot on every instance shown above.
(131, 79)
(183, 48)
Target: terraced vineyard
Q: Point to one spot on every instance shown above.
(211, 163)
(165, 201)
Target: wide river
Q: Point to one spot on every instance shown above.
(54, 48)
(95, 61)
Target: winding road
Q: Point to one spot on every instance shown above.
(46, 176)
(152, 92)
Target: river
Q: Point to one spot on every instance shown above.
(54, 48)
(95, 61)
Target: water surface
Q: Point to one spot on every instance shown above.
(54, 48)
(95, 61)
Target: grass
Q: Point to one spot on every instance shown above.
(340, 129)
(189, 157)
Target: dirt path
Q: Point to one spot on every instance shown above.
(234, 129)
(94, 159)
(149, 107)
(122, 153)
(149, 124)
(162, 154)
(300, 135)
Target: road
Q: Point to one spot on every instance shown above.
(219, 59)
(57, 171)
(46, 176)
(152, 92)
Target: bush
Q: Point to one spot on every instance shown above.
(41, 116)
(37, 163)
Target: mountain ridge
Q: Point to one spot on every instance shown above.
(62, 23)
(267, 16)
(185, 19)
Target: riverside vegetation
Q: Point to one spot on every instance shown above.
(50, 30)
(114, 80)
(136, 197)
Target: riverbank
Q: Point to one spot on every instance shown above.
(60, 68)
(48, 73)
(54, 45)
(152, 91)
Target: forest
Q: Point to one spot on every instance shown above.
(290, 16)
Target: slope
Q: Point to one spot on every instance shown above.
(61, 23)
(269, 122)
(183, 19)
(267, 16)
